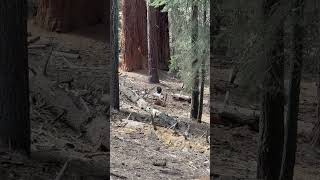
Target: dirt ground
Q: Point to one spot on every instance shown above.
(137, 150)
(235, 149)
(54, 144)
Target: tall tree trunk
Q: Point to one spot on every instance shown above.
(114, 18)
(203, 69)
(134, 35)
(153, 37)
(214, 31)
(315, 142)
(271, 126)
(291, 125)
(203, 72)
(195, 84)
(14, 88)
(164, 39)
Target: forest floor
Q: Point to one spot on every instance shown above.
(235, 148)
(139, 152)
(58, 151)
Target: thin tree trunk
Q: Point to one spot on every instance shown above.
(203, 70)
(115, 50)
(271, 126)
(14, 87)
(153, 35)
(195, 84)
(291, 125)
(164, 38)
(214, 31)
(201, 92)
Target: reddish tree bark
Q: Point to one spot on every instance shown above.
(134, 37)
(63, 16)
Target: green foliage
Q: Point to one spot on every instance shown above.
(182, 54)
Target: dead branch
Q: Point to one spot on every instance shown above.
(96, 154)
(37, 46)
(47, 62)
(61, 172)
(118, 176)
(72, 66)
(32, 40)
(66, 54)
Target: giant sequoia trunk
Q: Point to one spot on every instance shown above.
(63, 16)
(14, 90)
(134, 35)
(271, 126)
(153, 15)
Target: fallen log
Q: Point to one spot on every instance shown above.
(222, 86)
(180, 97)
(164, 120)
(237, 116)
(66, 54)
